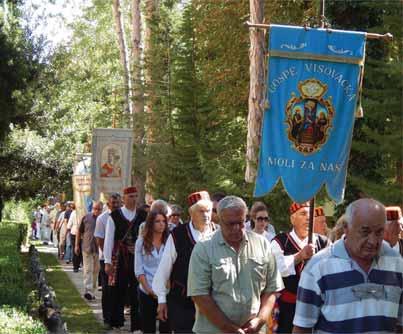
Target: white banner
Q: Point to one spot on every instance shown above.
(82, 184)
(112, 161)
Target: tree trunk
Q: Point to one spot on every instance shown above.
(139, 166)
(256, 89)
(117, 15)
(150, 13)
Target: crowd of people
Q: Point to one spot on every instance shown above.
(226, 270)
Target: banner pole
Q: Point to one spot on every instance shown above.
(311, 214)
(388, 37)
(322, 13)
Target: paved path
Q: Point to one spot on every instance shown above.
(77, 279)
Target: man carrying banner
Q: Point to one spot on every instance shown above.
(120, 237)
(319, 222)
(114, 203)
(292, 251)
(393, 227)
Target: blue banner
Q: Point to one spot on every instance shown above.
(313, 88)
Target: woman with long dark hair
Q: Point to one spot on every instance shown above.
(149, 250)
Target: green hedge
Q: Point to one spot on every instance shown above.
(14, 320)
(14, 287)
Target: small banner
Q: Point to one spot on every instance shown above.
(111, 161)
(313, 89)
(82, 184)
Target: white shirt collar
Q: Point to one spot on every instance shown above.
(197, 235)
(396, 247)
(129, 214)
(301, 243)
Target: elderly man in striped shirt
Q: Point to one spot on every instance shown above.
(356, 285)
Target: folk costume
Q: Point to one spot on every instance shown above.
(394, 215)
(120, 237)
(284, 246)
(174, 269)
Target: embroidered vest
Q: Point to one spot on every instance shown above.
(290, 247)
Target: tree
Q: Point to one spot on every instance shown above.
(256, 90)
(19, 69)
(124, 57)
(139, 166)
(375, 164)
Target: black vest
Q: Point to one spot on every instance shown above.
(184, 243)
(122, 224)
(290, 247)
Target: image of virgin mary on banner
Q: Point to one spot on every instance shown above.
(313, 89)
(111, 161)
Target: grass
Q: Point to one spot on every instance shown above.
(77, 314)
(17, 293)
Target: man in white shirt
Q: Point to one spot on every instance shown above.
(393, 227)
(38, 217)
(72, 228)
(45, 224)
(120, 237)
(292, 251)
(173, 269)
(114, 203)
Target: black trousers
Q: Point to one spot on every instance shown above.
(77, 259)
(126, 287)
(181, 315)
(285, 317)
(148, 313)
(106, 293)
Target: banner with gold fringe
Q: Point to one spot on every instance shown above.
(313, 93)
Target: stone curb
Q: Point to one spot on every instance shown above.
(49, 311)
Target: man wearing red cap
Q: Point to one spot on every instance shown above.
(173, 268)
(393, 227)
(292, 251)
(319, 222)
(120, 237)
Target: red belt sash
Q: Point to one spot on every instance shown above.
(288, 297)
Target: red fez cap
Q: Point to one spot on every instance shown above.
(197, 196)
(319, 212)
(296, 206)
(393, 213)
(129, 190)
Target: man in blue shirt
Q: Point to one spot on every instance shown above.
(354, 286)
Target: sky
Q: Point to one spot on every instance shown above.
(51, 18)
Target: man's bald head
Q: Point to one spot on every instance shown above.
(364, 231)
(364, 207)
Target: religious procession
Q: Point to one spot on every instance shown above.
(143, 202)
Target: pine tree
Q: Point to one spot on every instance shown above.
(375, 165)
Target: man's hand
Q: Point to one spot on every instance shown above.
(151, 293)
(305, 253)
(162, 312)
(253, 325)
(108, 268)
(77, 250)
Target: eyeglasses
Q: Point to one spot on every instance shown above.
(266, 219)
(368, 290)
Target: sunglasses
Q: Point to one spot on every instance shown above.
(266, 219)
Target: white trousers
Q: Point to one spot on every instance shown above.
(90, 271)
